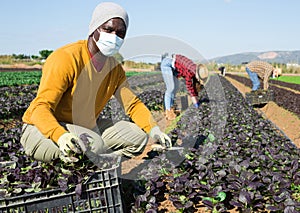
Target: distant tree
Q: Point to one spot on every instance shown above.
(20, 56)
(45, 53)
(35, 57)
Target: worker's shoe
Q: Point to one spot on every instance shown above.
(170, 115)
(177, 112)
(259, 92)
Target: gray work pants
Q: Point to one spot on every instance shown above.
(121, 138)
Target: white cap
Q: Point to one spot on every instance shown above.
(105, 11)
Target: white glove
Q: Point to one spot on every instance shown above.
(67, 143)
(163, 138)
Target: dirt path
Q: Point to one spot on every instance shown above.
(283, 119)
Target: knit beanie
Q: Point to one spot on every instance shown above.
(105, 11)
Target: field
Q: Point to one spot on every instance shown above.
(234, 158)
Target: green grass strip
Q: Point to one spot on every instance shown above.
(173, 124)
(288, 79)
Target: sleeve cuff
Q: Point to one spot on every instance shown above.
(59, 132)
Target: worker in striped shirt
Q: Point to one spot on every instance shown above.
(260, 70)
(180, 66)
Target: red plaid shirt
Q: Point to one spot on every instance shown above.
(186, 68)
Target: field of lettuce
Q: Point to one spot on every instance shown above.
(232, 159)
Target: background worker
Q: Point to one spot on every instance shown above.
(260, 70)
(222, 69)
(180, 66)
(77, 81)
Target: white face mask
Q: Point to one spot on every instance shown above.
(108, 43)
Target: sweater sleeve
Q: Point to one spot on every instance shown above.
(134, 107)
(54, 82)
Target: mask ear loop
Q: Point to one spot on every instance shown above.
(94, 39)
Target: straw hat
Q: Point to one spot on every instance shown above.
(202, 71)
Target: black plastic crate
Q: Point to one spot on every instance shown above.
(101, 193)
(260, 97)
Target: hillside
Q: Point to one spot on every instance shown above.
(271, 56)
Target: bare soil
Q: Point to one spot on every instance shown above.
(130, 164)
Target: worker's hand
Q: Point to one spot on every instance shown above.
(67, 144)
(163, 138)
(196, 105)
(195, 101)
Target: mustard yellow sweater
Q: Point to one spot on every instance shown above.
(72, 91)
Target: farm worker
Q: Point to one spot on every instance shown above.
(77, 82)
(180, 66)
(260, 70)
(223, 70)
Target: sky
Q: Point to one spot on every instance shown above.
(214, 28)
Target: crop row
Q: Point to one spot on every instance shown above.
(14, 78)
(15, 100)
(233, 158)
(282, 97)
